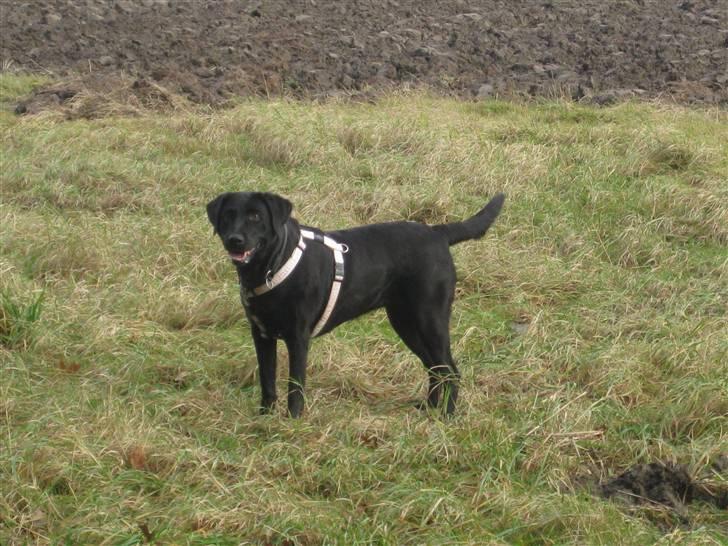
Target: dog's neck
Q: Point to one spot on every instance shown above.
(271, 258)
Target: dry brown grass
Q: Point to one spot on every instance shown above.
(589, 326)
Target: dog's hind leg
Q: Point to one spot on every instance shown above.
(423, 325)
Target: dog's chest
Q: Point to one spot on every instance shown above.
(270, 320)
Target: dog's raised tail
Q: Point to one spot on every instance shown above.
(474, 227)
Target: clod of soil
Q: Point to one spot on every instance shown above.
(666, 484)
(209, 51)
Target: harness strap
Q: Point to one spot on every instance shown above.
(282, 274)
(338, 250)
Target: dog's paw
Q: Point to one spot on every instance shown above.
(266, 407)
(435, 411)
(421, 405)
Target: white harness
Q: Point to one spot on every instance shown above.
(273, 280)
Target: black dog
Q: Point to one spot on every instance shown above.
(290, 276)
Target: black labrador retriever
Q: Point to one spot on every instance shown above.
(297, 282)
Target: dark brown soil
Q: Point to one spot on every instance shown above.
(668, 485)
(209, 50)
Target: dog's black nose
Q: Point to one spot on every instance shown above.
(235, 240)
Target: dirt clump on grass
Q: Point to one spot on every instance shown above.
(667, 485)
(208, 52)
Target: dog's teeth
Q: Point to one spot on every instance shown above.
(241, 256)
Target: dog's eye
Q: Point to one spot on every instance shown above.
(254, 217)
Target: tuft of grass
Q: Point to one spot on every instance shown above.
(17, 320)
(589, 326)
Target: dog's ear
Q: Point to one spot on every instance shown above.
(279, 209)
(213, 211)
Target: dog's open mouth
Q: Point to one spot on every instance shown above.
(243, 257)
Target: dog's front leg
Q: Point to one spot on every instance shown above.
(265, 349)
(297, 356)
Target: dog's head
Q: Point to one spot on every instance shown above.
(248, 223)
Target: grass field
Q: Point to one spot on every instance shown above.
(589, 324)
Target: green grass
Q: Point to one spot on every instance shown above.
(590, 326)
(16, 321)
(14, 85)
